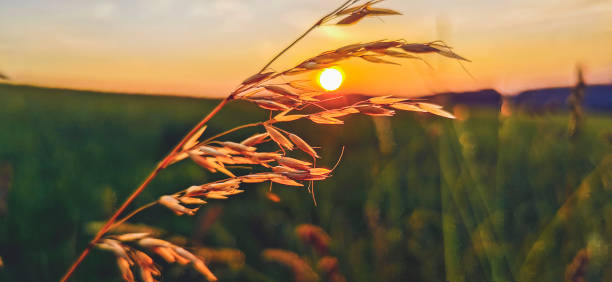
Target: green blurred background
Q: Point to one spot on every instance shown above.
(488, 197)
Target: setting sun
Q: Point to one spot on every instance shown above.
(330, 79)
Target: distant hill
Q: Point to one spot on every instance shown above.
(598, 98)
(481, 98)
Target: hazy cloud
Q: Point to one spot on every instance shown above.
(157, 6)
(226, 10)
(103, 10)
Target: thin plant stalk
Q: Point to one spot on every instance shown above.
(133, 213)
(317, 24)
(230, 131)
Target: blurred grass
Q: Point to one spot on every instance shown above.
(415, 198)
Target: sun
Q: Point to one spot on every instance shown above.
(330, 79)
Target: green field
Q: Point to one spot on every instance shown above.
(415, 198)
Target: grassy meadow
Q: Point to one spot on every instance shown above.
(415, 197)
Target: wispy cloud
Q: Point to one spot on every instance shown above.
(103, 10)
(226, 11)
(156, 6)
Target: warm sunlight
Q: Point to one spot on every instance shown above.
(330, 79)
(435, 140)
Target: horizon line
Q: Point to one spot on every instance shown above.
(161, 94)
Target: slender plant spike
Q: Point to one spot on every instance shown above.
(289, 98)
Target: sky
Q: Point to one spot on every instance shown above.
(207, 47)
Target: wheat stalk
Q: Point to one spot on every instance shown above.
(272, 91)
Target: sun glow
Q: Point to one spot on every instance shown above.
(330, 79)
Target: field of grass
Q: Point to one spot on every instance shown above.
(415, 197)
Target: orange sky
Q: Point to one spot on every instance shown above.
(205, 48)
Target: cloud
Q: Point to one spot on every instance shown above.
(201, 10)
(301, 19)
(227, 14)
(157, 6)
(103, 10)
(220, 8)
